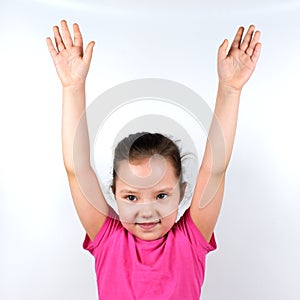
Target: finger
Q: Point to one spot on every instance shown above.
(253, 43)
(77, 36)
(237, 39)
(66, 34)
(248, 37)
(58, 39)
(52, 50)
(88, 52)
(256, 52)
(222, 53)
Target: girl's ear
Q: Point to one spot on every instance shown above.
(182, 190)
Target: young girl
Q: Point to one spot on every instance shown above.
(143, 253)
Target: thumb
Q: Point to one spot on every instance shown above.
(88, 52)
(222, 53)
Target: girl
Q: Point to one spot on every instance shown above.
(143, 253)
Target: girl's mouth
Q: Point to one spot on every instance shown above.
(148, 226)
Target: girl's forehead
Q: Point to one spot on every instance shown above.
(154, 172)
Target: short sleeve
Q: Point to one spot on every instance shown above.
(110, 224)
(194, 235)
(90, 245)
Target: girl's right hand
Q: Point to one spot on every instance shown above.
(71, 63)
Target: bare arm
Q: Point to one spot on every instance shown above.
(72, 65)
(234, 69)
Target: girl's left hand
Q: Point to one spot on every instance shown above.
(236, 66)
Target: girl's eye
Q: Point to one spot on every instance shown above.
(131, 198)
(162, 196)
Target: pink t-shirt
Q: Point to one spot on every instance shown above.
(129, 268)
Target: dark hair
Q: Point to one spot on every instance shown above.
(143, 145)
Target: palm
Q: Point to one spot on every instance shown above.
(71, 63)
(70, 66)
(236, 67)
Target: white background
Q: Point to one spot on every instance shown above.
(258, 229)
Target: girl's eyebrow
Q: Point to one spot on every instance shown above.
(125, 191)
(165, 189)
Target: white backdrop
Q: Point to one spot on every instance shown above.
(258, 229)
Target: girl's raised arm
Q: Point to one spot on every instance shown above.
(235, 67)
(72, 65)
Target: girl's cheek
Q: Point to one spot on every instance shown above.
(167, 207)
(127, 211)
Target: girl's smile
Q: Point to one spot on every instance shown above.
(147, 226)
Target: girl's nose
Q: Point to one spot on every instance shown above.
(147, 210)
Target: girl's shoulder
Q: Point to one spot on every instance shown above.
(111, 225)
(188, 229)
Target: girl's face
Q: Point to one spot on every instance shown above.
(148, 193)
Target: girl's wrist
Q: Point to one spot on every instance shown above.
(229, 90)
(73, 92)
(74, 87)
